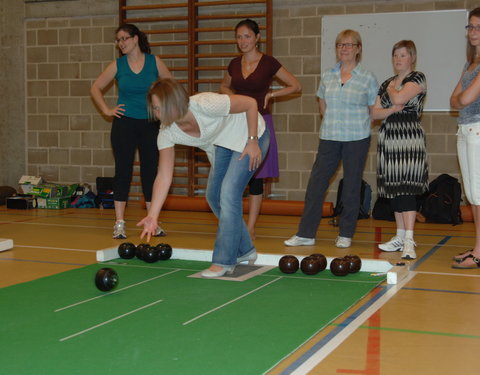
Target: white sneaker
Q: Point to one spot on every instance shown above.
(119, 230)
(343, 242)
(299, 241)
(395, 244)
(159, 232)
(409, 249)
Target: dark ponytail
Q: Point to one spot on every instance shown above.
(133, 30)
(250, 24)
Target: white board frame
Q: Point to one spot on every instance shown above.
(439, 36)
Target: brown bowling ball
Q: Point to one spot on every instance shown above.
(288, 264)
(354, 263)
(339, 267)
(321, 259)
(310, 265)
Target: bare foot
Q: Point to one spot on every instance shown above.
(469, 262)
(461, 256)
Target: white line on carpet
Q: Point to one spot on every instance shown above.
(109, 321)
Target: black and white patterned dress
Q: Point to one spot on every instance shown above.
(402, 167)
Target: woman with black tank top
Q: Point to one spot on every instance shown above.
(466, 98)
(134, 72)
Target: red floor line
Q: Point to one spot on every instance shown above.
(372, 365)
(377, 240)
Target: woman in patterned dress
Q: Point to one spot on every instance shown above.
(402, 170)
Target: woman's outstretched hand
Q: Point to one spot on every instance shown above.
(149, 227)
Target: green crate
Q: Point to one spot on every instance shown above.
(53, 190)
(54, 203)
(40, 191)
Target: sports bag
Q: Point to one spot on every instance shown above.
(365, 200)
(442, 202)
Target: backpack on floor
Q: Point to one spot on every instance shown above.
(365, 200)
(382, 210)
(442, 201)
(104, 192)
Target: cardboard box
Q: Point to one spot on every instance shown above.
(26, 183)
(40, 191)
(54, 203)
(53, 190)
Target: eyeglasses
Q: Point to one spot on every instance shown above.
(123, 39)
(471, 28)
(346, 45)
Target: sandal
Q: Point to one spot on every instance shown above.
(461, 256)
(464, 263)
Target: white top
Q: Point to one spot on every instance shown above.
(217, 126)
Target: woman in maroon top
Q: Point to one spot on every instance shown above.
(251, 74)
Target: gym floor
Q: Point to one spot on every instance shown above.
(426, 324)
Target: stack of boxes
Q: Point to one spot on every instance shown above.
(35, 193)
(27, 183)
(53, 196)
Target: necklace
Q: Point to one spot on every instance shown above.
(249, 65)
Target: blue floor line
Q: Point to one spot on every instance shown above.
(334, 332)
(442, 291)
(349, 319)
(429, 253)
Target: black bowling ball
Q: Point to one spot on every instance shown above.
(141, 250)
(127, 250)
(106, 279)
(150, 254)
(164, 251)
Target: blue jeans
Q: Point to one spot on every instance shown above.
(227, 181)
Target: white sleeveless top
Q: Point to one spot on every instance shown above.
(217, 126)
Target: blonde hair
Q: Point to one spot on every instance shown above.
(409, 45)
(173, 100)
(355, 36)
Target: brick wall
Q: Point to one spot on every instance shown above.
(68, 140)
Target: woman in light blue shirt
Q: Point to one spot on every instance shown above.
(346, 95)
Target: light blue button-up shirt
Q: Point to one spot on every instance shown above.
(347, 116)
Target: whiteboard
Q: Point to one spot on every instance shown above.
(439, 36)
